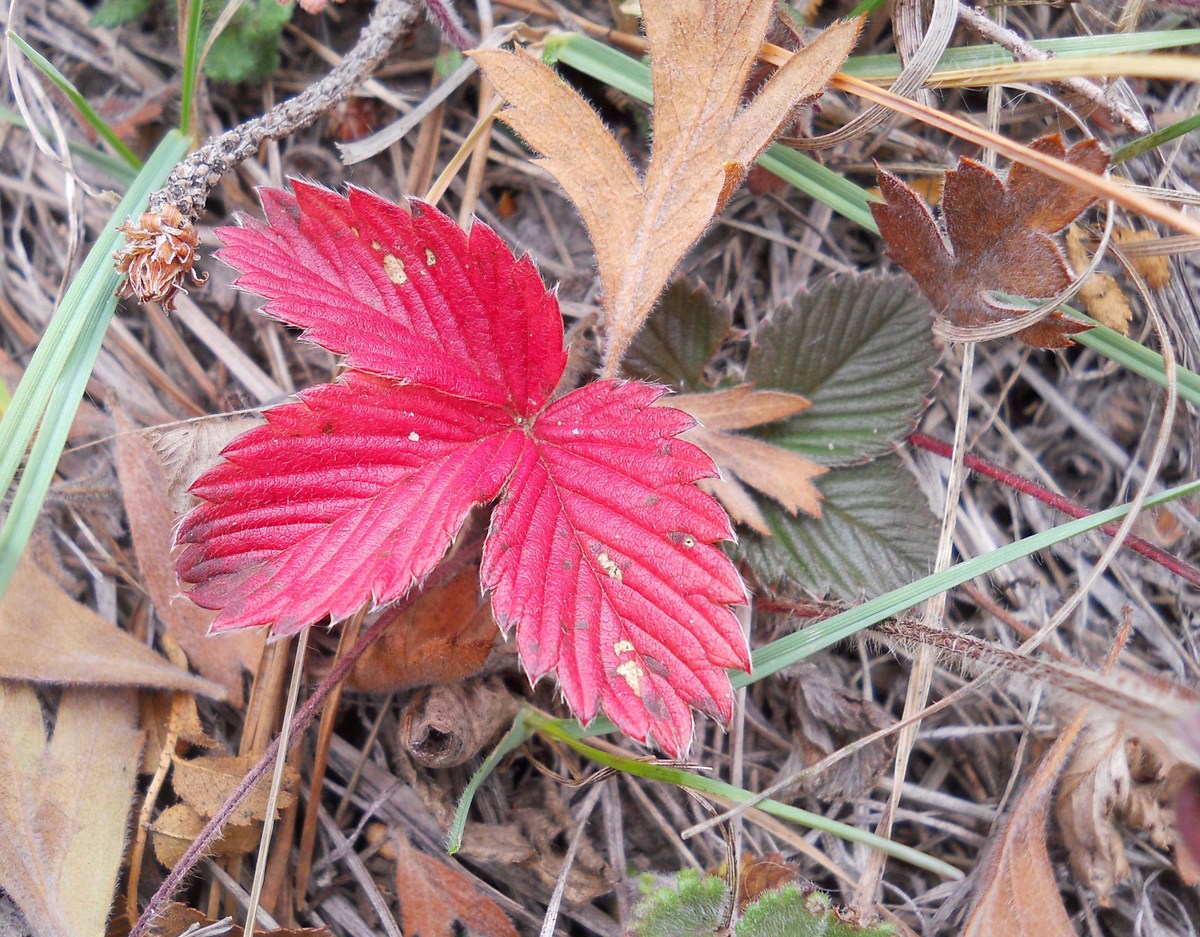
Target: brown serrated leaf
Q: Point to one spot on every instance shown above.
(64, 803)
(704, 140)
(205, 784)
(151, 519)
(776, 472)
(998, 241)
(48, 637)
(433, 896)
(1100, 295)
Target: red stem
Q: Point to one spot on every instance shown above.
(1024, 485)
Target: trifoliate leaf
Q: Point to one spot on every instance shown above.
(860, 348)
(680, 338)
(602, 550)
(875, 534)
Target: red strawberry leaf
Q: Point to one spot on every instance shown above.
(601, 553)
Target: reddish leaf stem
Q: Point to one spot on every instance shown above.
(1024, 485)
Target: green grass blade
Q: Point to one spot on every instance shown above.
(119, 170)
(514, 738)
(94, 120)
(191, 65)
(53, 383)
(711, 786)
(1156, 139)
(795, 647)
(887, 67)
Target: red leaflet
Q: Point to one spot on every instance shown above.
(601, 552)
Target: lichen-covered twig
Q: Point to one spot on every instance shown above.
(161, 268)
(188, 186)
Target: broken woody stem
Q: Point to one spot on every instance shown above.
(188, 187)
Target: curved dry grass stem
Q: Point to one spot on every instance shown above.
(1054, 168)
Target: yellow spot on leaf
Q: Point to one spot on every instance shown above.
(633, 673)
(394, 267)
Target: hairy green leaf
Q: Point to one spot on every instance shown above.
(875, 533)
(112, 13)
(687, 906)
(790, 912)
(680, 338)
(861, 349)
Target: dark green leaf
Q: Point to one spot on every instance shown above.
(680, 338)
(113, 13)
(861, 349)
(876, 533)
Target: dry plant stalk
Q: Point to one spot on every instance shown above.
(704, 140)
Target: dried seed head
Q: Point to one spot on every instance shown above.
(159, 254)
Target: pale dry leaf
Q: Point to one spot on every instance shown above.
(205, 783)
(1111, 785)
(48, 637)
(1155, 269)
(1095, 783)
(189, 449)
(1100, 293)
(64, 804)
(704, 139)
(177, 827)
(740, 407)
(776, 472)
(1016, 891)
(144, 487)
(739, 504)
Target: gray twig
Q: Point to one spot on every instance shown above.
(1022, 50)
(189, 185)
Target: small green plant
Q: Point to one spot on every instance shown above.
(247, 49)
(689, 904)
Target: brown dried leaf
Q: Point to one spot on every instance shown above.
(177, 918)
(144, 486)
(1113, 784)
(205, 784)
(998, 241)
(179, 825)
(64, 804)
(704, 140)
(444, 636)
(433, 895)
(1100, 295)
(776, 472)
(1016, 891)
(48, 637)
